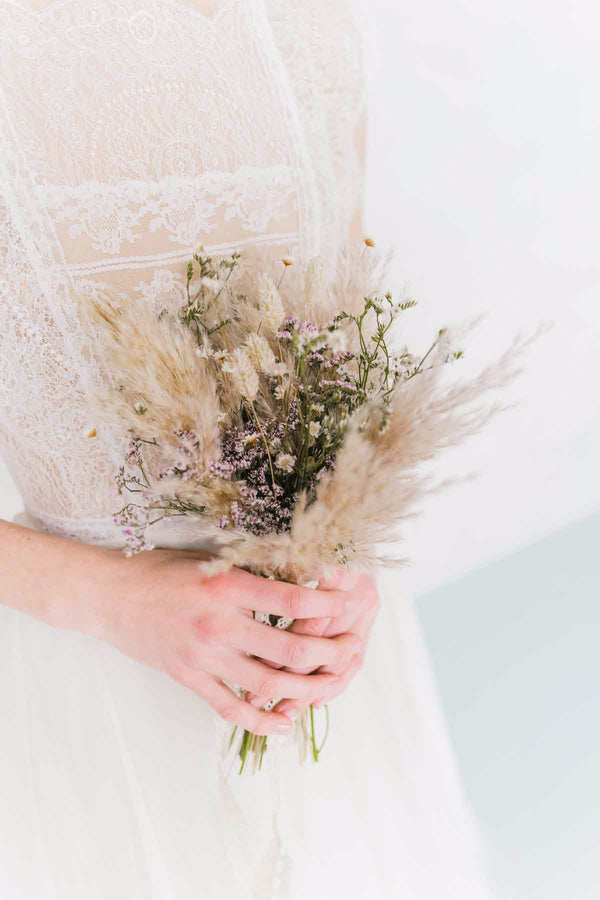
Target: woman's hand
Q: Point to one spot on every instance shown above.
(358, 617)
(160, 609)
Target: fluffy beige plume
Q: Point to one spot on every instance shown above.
(243, 374)
(379, 479)
(158, 383)
(360, 272)
(270, 303)
(261, 354)
(216, 494)
(315, 289)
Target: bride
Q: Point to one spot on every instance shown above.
(131, 132)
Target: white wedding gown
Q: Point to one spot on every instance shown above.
(131, 131)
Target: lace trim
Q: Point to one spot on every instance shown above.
(112, 214)
(164, 259)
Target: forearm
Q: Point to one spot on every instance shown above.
(54, 579)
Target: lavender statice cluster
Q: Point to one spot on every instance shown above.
(297, 333)
(267, 505)
(129, 474)
(184, 459)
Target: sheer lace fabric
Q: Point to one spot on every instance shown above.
(131, 133)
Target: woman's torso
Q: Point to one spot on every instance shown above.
(131, 133)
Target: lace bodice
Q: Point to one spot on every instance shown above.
(131, 132)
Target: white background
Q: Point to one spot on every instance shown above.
(484, 141)
(483, 171)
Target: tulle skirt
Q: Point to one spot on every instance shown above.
(114, 783)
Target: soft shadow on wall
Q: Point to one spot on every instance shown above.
(515, 651)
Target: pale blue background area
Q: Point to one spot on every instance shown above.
(515, 648)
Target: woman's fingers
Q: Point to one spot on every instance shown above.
(232, 709)
(297, 602)
(347, 645)
(270, 684)
(358, 600)
(293, 707)
(285, 648)
(341, 683)
(248, 591)
(362, 626)
(359, 595)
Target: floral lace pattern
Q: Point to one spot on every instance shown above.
(130, 133)
(111, 216)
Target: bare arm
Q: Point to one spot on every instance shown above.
(159, 608)
(52, 578)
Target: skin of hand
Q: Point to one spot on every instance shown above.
(200, 630)
(358, 618)
(160, 608)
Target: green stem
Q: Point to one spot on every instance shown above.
(245, 746)
(312, 735)
(262, 434)
(418, 369)
(262, 751)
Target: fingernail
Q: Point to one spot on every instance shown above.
(284, 727)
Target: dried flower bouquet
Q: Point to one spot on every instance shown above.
(286, 420)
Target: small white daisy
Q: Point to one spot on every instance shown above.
(285, 462)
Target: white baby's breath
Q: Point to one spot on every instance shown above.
(285, 462)
(337, 340)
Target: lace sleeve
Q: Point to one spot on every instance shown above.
(16, 281)
(41, 435)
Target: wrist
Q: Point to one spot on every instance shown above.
(84, 600)
(64, 583)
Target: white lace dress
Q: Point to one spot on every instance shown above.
(131, 131)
